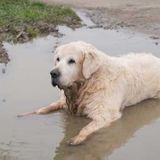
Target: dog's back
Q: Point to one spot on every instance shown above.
(143, 77)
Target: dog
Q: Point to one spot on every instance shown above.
(100, 86)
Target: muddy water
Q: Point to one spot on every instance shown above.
(25, 86)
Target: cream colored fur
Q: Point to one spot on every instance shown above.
(101, 86)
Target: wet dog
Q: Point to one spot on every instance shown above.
(100, 86)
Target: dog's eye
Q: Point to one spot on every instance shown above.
(58, 59)
(71, 61)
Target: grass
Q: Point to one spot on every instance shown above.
(25, 18)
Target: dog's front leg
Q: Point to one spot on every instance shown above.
(50, 108)
(60, 104)
(93, 126)
(103, 120)
(47, 109)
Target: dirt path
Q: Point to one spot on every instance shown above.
(142, 16)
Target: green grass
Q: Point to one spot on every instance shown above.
(32, 17)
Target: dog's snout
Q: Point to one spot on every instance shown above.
(55, 73)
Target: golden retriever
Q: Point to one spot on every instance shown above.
(100, 86)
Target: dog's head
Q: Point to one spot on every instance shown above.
(74, 62)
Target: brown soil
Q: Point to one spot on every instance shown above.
(3, 55)
(142, 16)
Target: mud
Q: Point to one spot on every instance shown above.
(3, 55)
(140, 16)
(145, 20)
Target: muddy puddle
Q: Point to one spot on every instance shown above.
(25, 86)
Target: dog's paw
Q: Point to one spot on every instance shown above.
(25, 114)
(77, 140)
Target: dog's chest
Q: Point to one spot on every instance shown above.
(74, 99)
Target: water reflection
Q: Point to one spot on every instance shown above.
(106, 141)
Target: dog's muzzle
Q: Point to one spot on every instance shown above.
(55, 75)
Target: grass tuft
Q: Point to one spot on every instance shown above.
(27, 16)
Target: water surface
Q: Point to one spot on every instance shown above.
(25, 86)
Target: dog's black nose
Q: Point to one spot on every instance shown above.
(55, 73)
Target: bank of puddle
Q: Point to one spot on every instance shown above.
(25, 86)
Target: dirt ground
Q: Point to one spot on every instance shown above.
(142, 16)
(3, 55)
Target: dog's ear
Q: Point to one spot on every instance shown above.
(91, 61)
